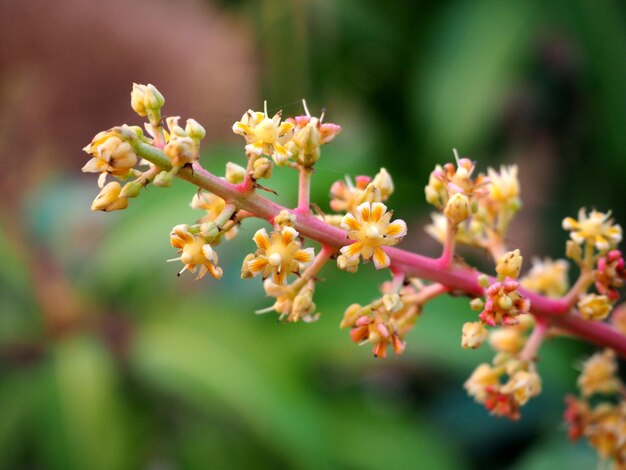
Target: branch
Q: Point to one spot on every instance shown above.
(458, 278)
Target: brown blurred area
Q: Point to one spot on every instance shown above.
(67, 67)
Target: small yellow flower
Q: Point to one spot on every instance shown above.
(195, 252)
(180, 148)
(509, 265)
(547, 277)
(597, 229)
(599, 374)
(109, 198)
(523, 385)
(371, 229)
(474, 335)
(279, 254)
(504, 187)
(483, 378)
(457, 208)
(265, 135)
(110, 155)
(594, 307)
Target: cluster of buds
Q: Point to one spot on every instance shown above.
(309, 134)
(114, 152)
(293, 303)
(346, 196)
(479, 210)
(599, 415)
(505, 385)
(503, 301)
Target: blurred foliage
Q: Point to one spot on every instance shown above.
(165, 372)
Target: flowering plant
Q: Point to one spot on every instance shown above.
(515, 313)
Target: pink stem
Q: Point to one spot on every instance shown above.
(447, 255)
(304, 190)
(533, 344)
(457, 279)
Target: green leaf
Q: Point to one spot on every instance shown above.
(82, 421)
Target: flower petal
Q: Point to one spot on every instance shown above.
(304, 256)
(257, 265)
(349, 222)
(378, 209)
(381, 259)
(353, 250)
(288, 234)
(262, 239)
(396, 229)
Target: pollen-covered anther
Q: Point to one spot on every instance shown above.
(370, 228)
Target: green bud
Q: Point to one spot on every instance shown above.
(153, 99)
(235, 174)
(131, 189)
(195, 130)
(163, 179)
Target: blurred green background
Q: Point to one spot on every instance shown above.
(108, 361)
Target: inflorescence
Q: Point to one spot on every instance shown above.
(515, 313)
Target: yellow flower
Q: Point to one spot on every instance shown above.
(180, 148)
(292, 305)
(597, 229)
(195, 252)
(599, 374)
(279, 254)
(547, 277)
(265, 135)
(111, 155)
(109, 198)
(594, 307)
(213, 205)
(504, 187)
(474, 335)
(483, 378)
(523, 385)
(371, 229)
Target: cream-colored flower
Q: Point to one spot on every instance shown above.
(547, 277)
(111, 155)
(292, 305)
(483, 377)
(371, 229)
(346, 195)
(523, 385)
(195, 252)
(213, 205)
(180, 148)
(109, 199)
(599, 374)
(504, 188)
(474, 335)
(594, 307)
(265, 135)
(597, 228)
(279, 254)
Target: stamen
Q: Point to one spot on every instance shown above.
(306, 110)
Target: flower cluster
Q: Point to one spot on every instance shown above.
(504, 386)
(476, 210)
(599, 415)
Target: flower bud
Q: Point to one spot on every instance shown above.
(137, 97)
(350, 265)
(285, 218)
(163, 179)
(392, 302)
(131, 189)
(507, 339)
(474, 335)
(509, 265)
(153, 99)
(594, 307)
(109, 199)
(477, 304)
(262, 168)
(235, 174)
(195, 130)
(458, 208)
(384, 183)
(209, 231)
